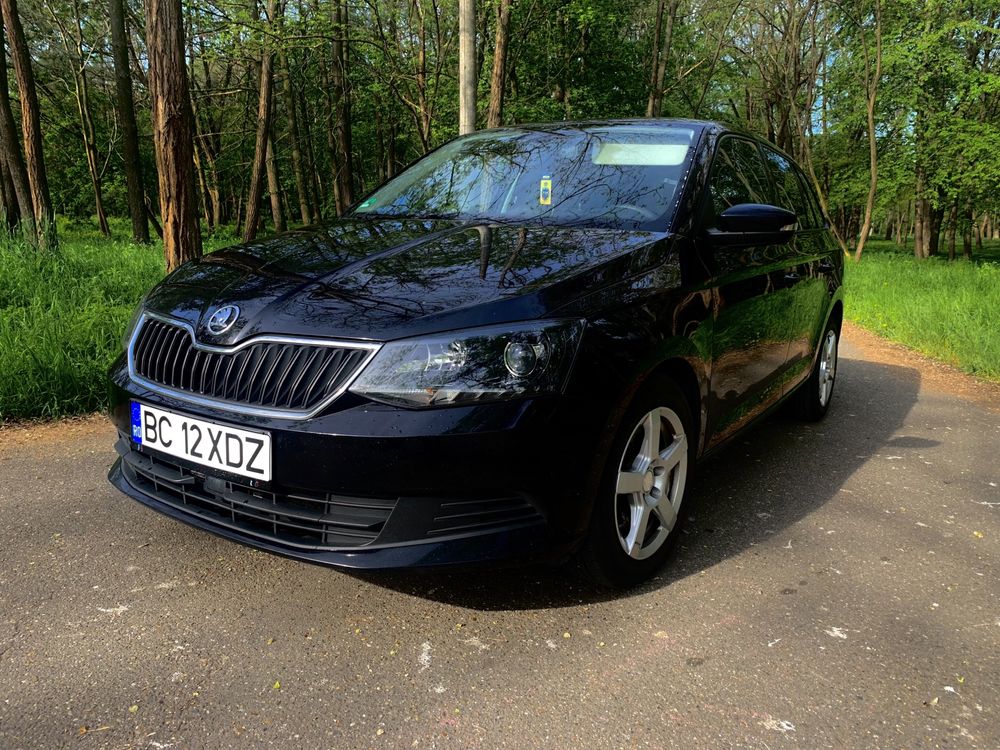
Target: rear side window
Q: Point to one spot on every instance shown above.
(738, 176)
(789, 191)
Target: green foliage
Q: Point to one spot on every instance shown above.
(949, 311)
(62, 316)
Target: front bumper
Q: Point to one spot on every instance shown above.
(370, 486)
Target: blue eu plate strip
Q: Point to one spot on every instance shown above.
(136, 422)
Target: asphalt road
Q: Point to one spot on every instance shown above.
(837, 587)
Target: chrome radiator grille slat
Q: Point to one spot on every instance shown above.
(286, 376)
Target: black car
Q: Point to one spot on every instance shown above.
(518, 347)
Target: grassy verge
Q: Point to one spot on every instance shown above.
(62, 316)
(949, 310)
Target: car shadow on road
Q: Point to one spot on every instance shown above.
(768, 479)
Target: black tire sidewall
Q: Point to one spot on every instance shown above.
(809, 406)
(603, 555)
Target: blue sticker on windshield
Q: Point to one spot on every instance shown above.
(136, 422)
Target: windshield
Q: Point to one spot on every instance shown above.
(621, 177)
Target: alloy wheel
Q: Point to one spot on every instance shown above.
(651, 478)
(827, 367)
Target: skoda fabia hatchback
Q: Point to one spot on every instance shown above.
(517, 348)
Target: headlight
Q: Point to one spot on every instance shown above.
(127, 336)
(482, 364)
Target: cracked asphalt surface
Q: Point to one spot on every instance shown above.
(837, 587)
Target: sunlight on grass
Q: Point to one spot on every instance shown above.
(946, 310)
(62, 316)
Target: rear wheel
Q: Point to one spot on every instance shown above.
(814, 396)
(636, 519)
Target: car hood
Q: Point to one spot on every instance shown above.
(388, 279)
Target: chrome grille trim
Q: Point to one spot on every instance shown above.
(163, 341)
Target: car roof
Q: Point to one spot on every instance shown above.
(645, 121)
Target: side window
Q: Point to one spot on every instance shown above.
(738, 176)
(789, 192)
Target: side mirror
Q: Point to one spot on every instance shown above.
(754, 224)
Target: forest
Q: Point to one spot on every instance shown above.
(292, 109)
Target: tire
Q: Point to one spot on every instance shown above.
(812, 400)
(637, 516)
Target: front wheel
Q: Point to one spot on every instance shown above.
(636, 519)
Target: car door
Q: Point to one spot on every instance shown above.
(749, 336)
(804, 285)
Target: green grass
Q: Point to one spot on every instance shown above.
(62, 316)
(948, 310)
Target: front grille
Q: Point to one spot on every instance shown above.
(285, 376)
(301, 520)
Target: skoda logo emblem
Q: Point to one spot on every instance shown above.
(223, 319)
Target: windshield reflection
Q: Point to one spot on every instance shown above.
(625, 177)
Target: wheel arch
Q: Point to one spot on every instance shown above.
(682, 373)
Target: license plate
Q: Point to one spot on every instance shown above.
(218, 446)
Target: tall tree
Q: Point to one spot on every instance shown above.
(466, 66)
(255, 190)
(662, 41)
(292, 120)
(130, 130)
(31, 126)
(10, 148)
(341, 91)
(873, 73)
(173, 130)
(498, 74)
(73, 43)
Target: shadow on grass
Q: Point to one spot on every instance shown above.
(766, 481)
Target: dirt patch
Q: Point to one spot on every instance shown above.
(935, 376)
(45, 434)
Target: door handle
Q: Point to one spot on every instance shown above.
(792, 277)
(824, 266)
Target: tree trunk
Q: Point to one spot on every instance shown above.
(82, 90)
(498, 75)
(31, 126)
(871, 89)
(10, 149)
(130, 131)
(11, 209)
(316, 193)
(661, 55)
(208, 172)
(341, 91)
(274, 188)
(950, 234)
(301, 186)
(256, 188)
(466, 66)
(936, 216)
(172, 130)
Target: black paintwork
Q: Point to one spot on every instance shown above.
(735, 322)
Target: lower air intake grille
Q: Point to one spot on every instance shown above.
(304, 521)
(466, 516)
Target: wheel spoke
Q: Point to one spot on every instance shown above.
(674, 453)
(629, 482)
(651, 438)
(637, 531)
(666, 513)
